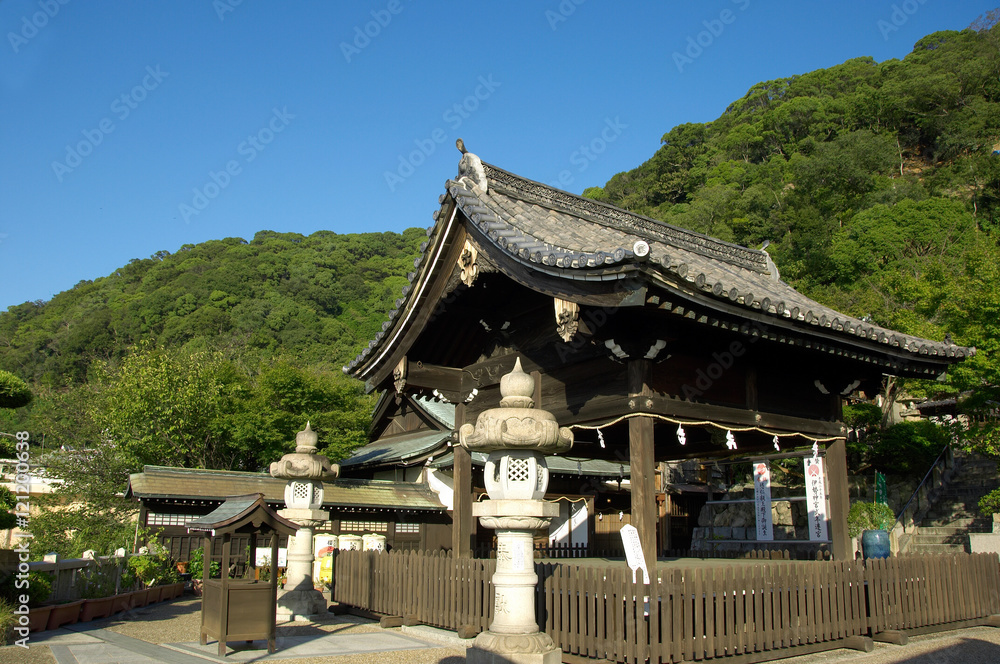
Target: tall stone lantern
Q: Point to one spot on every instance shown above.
(517, 437)
(305, 471)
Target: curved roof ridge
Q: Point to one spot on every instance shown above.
(629, 222)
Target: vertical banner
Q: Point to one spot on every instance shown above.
(762, 500)
(816, 498)
(881, 491)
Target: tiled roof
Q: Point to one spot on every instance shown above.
(579, 239)
(402, 449)
(186, 483)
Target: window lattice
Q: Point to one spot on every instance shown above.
(160, 519)
(363, 526)
(518, 470)
(300, 491)
(407, 527)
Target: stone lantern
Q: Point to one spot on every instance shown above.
(517, 437)
(305, 471)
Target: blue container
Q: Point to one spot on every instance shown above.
(875, 544)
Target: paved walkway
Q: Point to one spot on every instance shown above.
(168, 633)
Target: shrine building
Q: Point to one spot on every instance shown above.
(651, 342)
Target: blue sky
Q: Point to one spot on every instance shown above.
(127, 128)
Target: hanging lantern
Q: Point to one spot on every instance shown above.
(681, 436)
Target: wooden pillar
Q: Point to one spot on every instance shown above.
(836, 475)
(461, 515)
(640, 443)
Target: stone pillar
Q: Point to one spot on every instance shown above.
(305, 471)
(516, 436)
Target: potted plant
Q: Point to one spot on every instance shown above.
(99, 591)
(197, 568)
(38, 588)
(156, 571)
(872, 521)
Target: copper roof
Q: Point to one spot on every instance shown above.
(187, 483)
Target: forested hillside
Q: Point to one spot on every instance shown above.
(876, 185)
(314, 298)
(212, 356)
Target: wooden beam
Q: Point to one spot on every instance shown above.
(436, 377)
(462, 523)
(643, 467)
(836, 475)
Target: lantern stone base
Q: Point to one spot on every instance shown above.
(303, 604)
(493, 648)
(301, 600)
(515, 514)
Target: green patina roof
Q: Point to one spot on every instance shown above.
(442, 411)
(398, 450)
(559, 465)
(186, 483)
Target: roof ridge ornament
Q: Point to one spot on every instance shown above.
(470, 169)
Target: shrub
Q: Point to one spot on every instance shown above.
(869, 516)
(155, 568)
(7, 622)
(197, 565)
(38, 588)
(100, 580)
(990, 503)
(14, 392)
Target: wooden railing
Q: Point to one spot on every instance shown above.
(689, 613)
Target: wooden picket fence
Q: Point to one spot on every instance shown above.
(741, 612)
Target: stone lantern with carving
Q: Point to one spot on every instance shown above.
(305, 471)
(517, 437)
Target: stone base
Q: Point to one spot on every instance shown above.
(493, 648)
(300, 605)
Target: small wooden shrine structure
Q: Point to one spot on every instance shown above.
(632, 328)
(240, 609)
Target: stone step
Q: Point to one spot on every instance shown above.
(961, 522)
(944, 531)
(959, 539)
(936, 548)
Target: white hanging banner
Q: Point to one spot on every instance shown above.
(816, 498)
(762, 500)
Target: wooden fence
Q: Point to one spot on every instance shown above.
(762, 551)
(740, 612)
